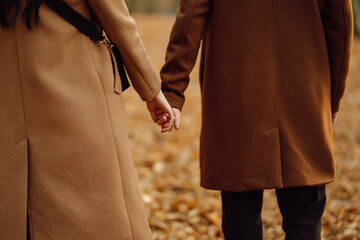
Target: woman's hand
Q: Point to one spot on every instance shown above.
(161, 112)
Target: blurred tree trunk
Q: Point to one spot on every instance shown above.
(130, 5)
(356, 7)
(153, 6)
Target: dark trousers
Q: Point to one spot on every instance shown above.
(301, 208)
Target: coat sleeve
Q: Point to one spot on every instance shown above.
(338, 26)
(187, 33)
(121, 28)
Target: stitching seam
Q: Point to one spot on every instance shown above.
(275, 61)
(275, 90)
(28, 208)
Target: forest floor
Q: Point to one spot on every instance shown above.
(168, 164)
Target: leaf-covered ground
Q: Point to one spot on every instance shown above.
(168, 165)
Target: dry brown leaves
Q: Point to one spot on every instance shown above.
(168, 166)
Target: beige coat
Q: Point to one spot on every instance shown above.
(272, 72)
(64, 154)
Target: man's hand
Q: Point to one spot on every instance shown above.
(161, 112)
(334, 117)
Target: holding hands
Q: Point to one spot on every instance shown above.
(162, 113)
(162, 118)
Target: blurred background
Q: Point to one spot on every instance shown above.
(168, 165)
(153, 6)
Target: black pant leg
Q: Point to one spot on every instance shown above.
(241, 218)
(302, 209)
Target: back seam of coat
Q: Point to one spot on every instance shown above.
(275, 63)
(276, 90)
(21, 82)
(29, 230)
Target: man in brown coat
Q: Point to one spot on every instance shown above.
(272, 77)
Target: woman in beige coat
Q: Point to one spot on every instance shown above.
(272, 76)
(65, 166)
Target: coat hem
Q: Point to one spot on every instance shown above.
(244, 189)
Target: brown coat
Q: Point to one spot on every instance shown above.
(271, 74)
(64, 155)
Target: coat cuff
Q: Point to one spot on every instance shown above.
(148, 93)
(174, 100)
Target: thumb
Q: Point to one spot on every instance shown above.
(177, 120)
